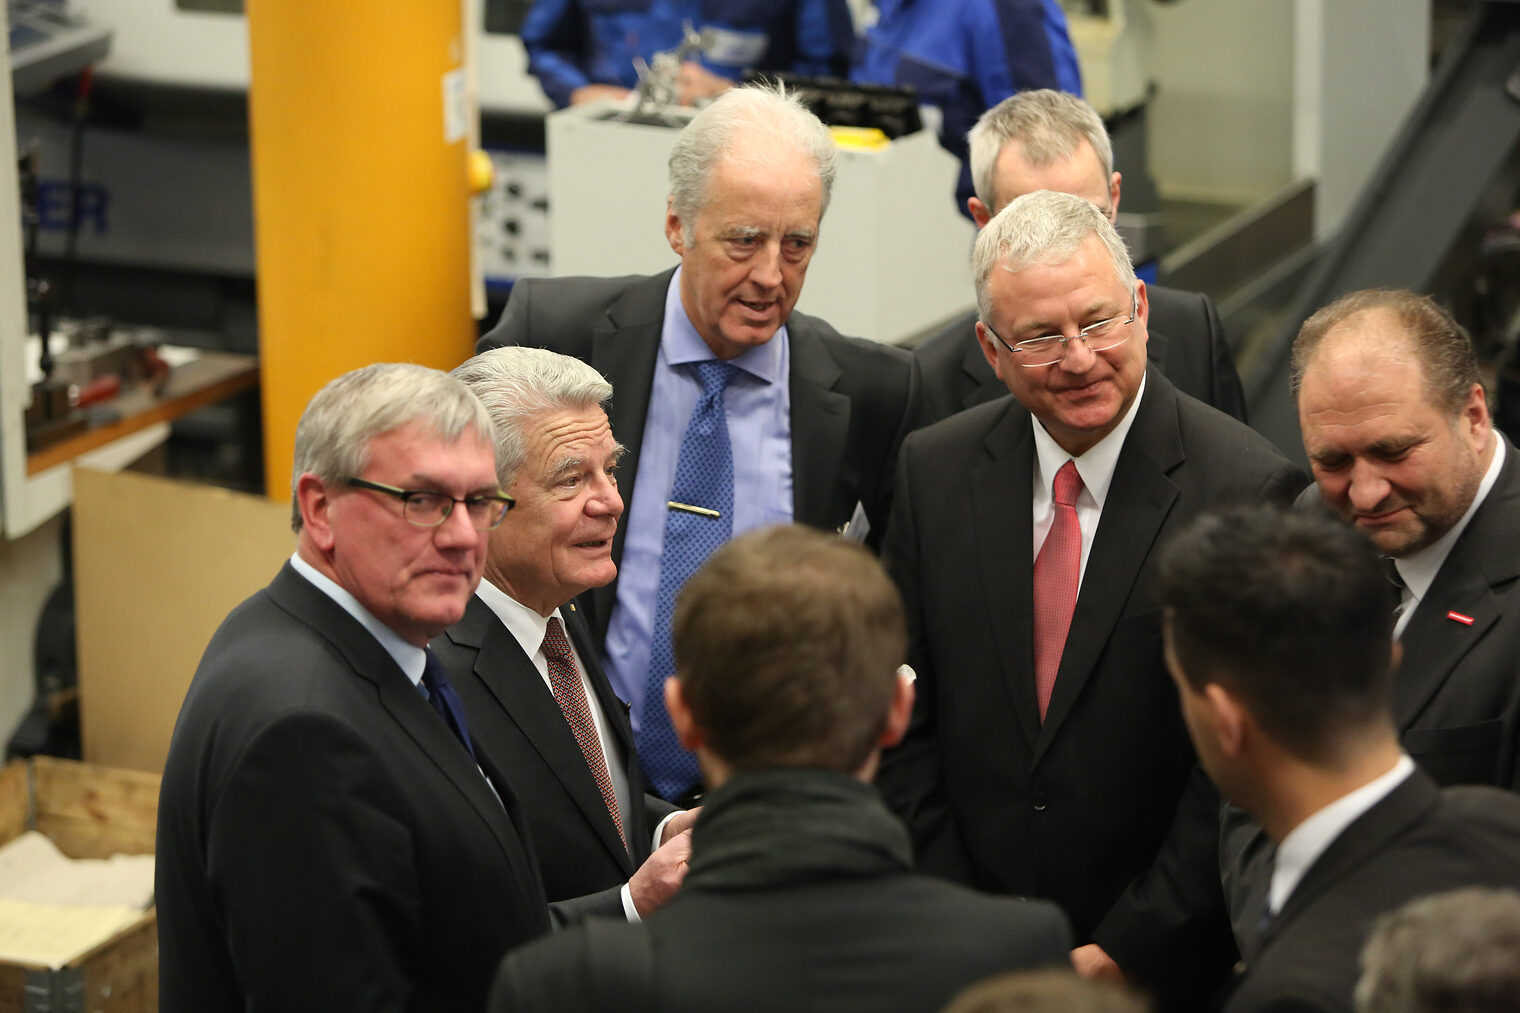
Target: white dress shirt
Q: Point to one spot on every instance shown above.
(1418, 569)
(1307, 841)
(1096, 468)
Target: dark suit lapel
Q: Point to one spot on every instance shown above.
(514, 682)
(821, 416)
(624, 350)
(406, 706)
(980, 384)
(1139, 498)
(1356, 845)
(1486, 555)
(1002, 516)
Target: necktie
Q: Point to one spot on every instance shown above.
(699, 518)
(571, 697)
(1057, 571)
(440, 693)
(1391, 571)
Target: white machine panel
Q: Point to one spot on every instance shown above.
(892, 259)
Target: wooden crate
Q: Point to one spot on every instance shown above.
(89, 811)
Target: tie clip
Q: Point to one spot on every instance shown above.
(699, 511)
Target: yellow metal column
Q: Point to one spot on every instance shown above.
(358, 114)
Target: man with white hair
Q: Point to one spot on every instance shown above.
(522, 658)
(1047, 757)
(736, 411)
(1051, 140)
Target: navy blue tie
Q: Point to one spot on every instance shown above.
(439, 693)
(698, 519)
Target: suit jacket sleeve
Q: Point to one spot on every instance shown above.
(512, 327)
(312, 873)
(910, 778)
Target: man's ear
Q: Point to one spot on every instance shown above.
(980, 213)
(1113, 197)
(899, 713)
(681, 720)
(989, 349)
(316, 507)
(673, 232)
(1232, 724)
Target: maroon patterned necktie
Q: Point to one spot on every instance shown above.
(571, 697)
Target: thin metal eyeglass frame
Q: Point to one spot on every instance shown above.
(1134, 310)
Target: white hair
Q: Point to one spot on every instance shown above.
(517, 383)
(342, 419)
(1043, 227)
(716, 132)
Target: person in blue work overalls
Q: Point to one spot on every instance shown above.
(966, 56)
(586, 49)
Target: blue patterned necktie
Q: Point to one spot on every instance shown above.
(440, 693)
(698, 519)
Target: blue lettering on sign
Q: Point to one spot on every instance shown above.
(53, 197)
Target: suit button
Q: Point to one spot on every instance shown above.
(1038, 800)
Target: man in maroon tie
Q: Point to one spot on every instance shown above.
(522, 659)
(1046, 756)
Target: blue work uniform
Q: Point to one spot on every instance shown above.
(572, 43)
(966, 56)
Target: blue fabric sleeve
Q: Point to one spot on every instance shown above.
(825, 38)
(552, 34)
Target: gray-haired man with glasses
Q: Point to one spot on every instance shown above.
(1046, 757)
(330, 836)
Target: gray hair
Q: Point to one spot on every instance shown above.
(342, 419)
(517, 383)
(1042, 227)
(1452, 952)
(713, 135)
(1049, 126)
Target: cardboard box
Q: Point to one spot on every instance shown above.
(89, 811)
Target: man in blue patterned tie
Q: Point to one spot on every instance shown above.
(736, 411)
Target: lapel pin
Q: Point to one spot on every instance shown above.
(1459, 617)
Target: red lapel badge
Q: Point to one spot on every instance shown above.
(1459, 617)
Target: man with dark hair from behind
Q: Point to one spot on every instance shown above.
(800, 894)
(1453, 952)
(1049, 991)
(1278, 635)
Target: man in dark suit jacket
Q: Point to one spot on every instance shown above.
(813, 419)
(800, 895)
(326, 839)
(564, 736)
(1278, 634)
(1047, 758)
(1051, 140)
(1397, 431)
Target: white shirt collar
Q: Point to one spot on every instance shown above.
(1419, 569)
(1307, 841)
(410, 658)
(526, 626)
(1096, 467)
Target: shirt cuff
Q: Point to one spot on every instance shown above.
(629, 911)
(659, 830)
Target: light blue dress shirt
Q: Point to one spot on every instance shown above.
(758, 405)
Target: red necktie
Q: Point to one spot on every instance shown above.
(571, 697)
(1057, 570)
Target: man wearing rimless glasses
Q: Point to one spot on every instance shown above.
(1047, 757)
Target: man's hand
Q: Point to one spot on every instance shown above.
(661, 875)
(592, 92)
(1091, 961)
(695, 82)
(679, 822)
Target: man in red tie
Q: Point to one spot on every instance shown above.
(1046, 756)
(522, 658)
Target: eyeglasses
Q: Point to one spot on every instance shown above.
(428, 509)
(1049, 349)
